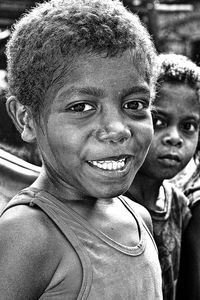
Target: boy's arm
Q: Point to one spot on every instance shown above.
(25, 252)
(189, 276)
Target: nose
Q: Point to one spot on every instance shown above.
(173, 138)
(113, 130)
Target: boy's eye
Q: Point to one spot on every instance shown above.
(81, 107)
(135, 105)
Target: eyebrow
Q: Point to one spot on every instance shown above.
(93, 91)
(97, 92)
(135, 90)
(194, 116)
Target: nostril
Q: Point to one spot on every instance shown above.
(114, 134)
(173, 141)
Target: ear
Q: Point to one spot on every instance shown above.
(22, 118)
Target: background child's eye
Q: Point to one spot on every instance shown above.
(135, 105)
(81, 107)
(190, 127)
(157, 122)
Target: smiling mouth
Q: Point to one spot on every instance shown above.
(109, 165)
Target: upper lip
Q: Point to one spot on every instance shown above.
(172, 156)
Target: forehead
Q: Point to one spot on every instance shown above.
(178, 98)
(96, 63)
(99, 70)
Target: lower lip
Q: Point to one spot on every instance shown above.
(169, 162)
(113, 173)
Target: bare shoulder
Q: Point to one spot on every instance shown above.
(142, 211)
(27, 244)
(26, 225)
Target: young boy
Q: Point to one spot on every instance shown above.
(176, 127)
(81, 82)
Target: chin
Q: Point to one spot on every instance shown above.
(168, 175)
(111, 193)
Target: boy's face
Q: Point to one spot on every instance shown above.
(97, 127)
(176, 126)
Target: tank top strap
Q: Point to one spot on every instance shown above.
(139, 218)
(34, 197)
(20, 200)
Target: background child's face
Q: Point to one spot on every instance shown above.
(176, 127)
(98, 127)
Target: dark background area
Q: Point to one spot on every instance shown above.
(150, 11)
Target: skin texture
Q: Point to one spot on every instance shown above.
(174, 143)
(87, 116)
(91, 118)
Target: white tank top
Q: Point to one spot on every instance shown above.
(111, 271)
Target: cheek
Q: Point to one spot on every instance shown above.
(189, 151)
(144, 140)
(145, 135)
(191, 145)
(151, 157)
(64, 136)
(148, 164)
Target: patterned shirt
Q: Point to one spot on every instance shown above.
(168, 226)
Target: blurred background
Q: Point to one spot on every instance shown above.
(174, 24)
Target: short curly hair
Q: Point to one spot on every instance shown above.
(178, 68)
(59, 30)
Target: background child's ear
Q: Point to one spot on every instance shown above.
(22, 119)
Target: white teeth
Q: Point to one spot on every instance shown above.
(109, 165)
(104, 166)
(115, 165)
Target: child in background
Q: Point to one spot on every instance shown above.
(176, 127)
(81, 78)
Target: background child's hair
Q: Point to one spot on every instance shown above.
(178, 68)
(58, 31)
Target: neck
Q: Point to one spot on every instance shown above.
(66, 192)
(144, 190)
(86, 206)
